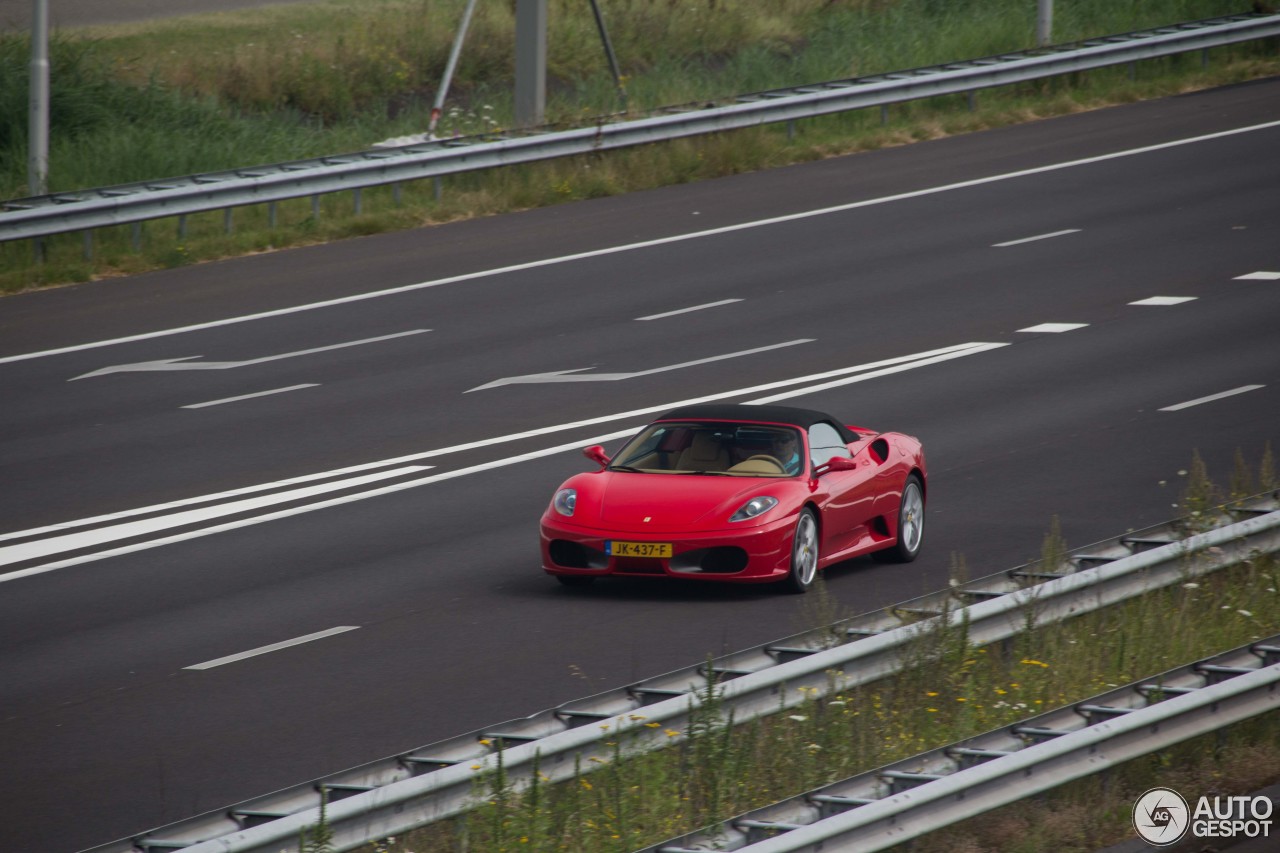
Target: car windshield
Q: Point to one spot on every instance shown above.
(700, 447)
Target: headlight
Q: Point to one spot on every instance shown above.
(565, 500)
(754, 507)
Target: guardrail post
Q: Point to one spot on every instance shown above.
(182, 227)
(271, 216)
(135, 236)
(357, 201)
(88, 245)
(315, 208)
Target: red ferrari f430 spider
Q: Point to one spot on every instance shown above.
(739, 493)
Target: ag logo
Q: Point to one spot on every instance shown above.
(1161, 817)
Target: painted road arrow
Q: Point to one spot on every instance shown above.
(186, 363)
(576, 374)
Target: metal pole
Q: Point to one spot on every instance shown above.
(1044, 23)
(531, 62)
(609, 54)
(450, 66)
(38, 132)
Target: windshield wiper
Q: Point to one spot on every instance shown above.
(627, 468)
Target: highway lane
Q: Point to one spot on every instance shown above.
(457, 626)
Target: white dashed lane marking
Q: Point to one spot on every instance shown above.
(1212, 397)
(274, 647)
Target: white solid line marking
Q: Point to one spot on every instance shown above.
(876, 374)
(90, 538)
(689, 310)
(595, 253)
(247, 490)
(249, 396)
(1234, 391)
(1054, 328)
(1165, 300)
(1035, 238)
(869, 371)
(1259, 276)
(274, 647)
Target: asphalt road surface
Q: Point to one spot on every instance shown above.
(202, 462)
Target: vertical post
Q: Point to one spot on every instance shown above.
(531, 62)
(449, 67)
(1044, 23)
(38, 133)
(609, 54)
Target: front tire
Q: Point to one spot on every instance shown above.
(804, 553)
(910, 525)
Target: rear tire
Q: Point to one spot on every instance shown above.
(910, 525)
(804, 554)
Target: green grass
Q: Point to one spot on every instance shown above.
(187, 95)
(957, 691)
(950, 690)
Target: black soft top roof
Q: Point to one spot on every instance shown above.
(803, 418)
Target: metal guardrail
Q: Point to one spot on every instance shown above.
(434, 782)
(58, 213)
(910, 798)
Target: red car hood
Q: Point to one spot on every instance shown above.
(623, 502)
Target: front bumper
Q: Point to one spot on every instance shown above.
(757, 554)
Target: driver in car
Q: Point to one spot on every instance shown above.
(787, 451)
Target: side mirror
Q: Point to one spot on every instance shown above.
(836, 463)
(596, 454)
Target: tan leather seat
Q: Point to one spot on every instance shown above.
(704, 453)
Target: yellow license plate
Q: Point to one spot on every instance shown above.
(638, 549)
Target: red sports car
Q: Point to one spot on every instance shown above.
(742, 493)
